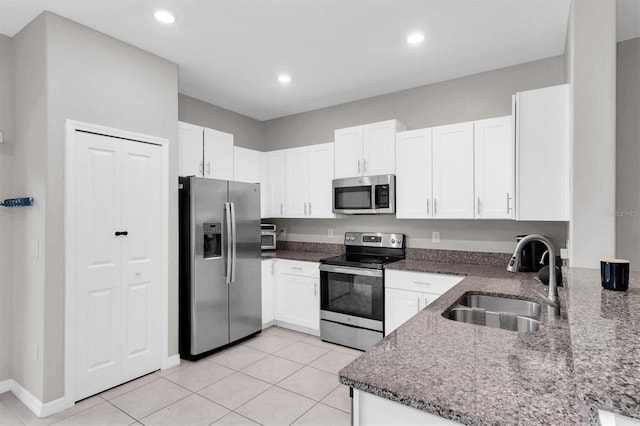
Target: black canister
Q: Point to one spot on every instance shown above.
(530, 255)
(614, 274)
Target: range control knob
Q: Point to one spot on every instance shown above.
(393, 241)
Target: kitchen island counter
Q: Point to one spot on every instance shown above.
(562, 374)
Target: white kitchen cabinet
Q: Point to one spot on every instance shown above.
(453, 171)
(309, 172)
(204, 152)
(250, 166)
(414, 196)
(542, 154)
(276, 183)
(190, 154)
(297, 295)
(406, 293)
(494, 160)
(268, 292)
(218, 155)
(366, 150)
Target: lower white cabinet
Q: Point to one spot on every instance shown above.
(291, 295)
(268, 292)
(407, 293)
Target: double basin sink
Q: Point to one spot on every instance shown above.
(496, 311)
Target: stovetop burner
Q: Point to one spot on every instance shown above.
(369, 250)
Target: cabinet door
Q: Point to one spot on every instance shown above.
(297, 181)
(247, 165)
(321, 158)
(297, 301)
(267, 292)
(379, 147)
(399, 306)
(276, 183)
(453, 171)
(413, 175)
(493, 166)
(218, 155)
(542, 154)
(348, 152)
(190, 155)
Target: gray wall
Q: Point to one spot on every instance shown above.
(246, 131)
(628, 152)
(475, 97)
(591, 62)
(68, 71)
(6, 215)
(29, 179)
(469, 98)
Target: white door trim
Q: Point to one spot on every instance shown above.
(71, 249)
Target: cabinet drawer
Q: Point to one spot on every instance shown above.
(296, 267)
(420, 281)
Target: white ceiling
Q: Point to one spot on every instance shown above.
(229, 51)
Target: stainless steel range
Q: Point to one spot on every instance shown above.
(352, 289)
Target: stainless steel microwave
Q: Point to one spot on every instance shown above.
(365, 195)
(268, 236)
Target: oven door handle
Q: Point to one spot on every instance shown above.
(351, 270)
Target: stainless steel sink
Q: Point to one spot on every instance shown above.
(519, 307)
(497, 312)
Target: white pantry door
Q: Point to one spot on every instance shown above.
(117, 295)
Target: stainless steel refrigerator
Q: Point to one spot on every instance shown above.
(220, 296)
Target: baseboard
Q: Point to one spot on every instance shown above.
(6, 385)
(268, 324)
(171, 361)
(296, 327)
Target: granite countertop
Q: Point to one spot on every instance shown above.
(586, 360)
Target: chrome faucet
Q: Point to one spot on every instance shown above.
(552, 299)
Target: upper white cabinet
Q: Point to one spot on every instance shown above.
(204, 152)
(453, 171)
(250, 166)
(276, 183)
(190, 150)
(309, 172)
(493, 167)
(414, 196)
(366, 150)
(542, 153)
(218, 154)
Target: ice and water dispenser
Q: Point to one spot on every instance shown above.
(212, 239)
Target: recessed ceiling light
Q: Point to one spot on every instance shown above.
(284, 78)
(164, 16)
(415, 38)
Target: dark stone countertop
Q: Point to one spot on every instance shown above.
(306, 256)
(586, 360)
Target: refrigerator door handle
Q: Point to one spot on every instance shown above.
(234, 241)
(227, 214)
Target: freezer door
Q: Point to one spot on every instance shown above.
(209, 289)
(245, 289)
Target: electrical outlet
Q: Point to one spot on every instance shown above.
(435, 237)
(330, 233)
(284, 232)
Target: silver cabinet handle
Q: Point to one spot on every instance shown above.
(296, 268)
(201, 168)
(421, 283)
(315, 288)
(435, 206)
(478, 205)
(418, 298)
(508, 203)
(364, 166)
(358, 166)
(305, 209)
(208, 168)
(281, 210)
(427, 206)
(309, 208)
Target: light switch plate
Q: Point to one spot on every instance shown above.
(435, 237)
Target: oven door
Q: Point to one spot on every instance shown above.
(356, 292)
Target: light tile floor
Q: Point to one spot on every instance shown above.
(279, 377)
